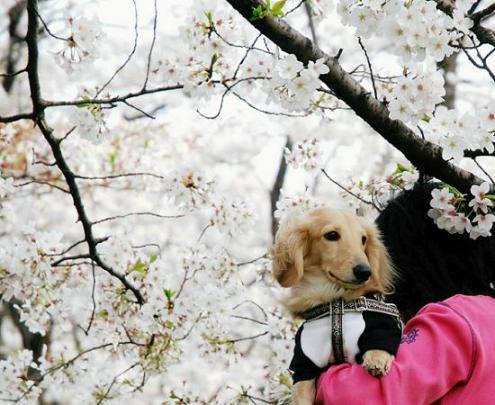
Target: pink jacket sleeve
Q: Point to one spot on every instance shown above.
(436, 353)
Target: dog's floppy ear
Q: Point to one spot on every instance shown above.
(381, 266)
(291, 244)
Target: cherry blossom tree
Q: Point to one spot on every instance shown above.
(148, 150)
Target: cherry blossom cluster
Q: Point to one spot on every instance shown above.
(88, 121)
(206, 34)
(188, 188)
(457, 133)
(414, 29)
(450, 210)
(27, 275)
(416, 96)
(82, 44)
(360, 195)
(305, 154)
(293, 85)
(206, 266)
(15, 383)
(295, 205)
(231, 216)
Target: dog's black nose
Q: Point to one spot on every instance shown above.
(361, 272)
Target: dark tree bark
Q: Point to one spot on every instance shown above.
(277, 187)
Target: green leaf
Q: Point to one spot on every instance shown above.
(153, 258)
(169, 293)
(453, 190)
(284, 379)
(209, 17)
(113, 158)
(258, 13)
(87, 104)
(140, 267)
(169, 324)
(276, 10)
(401, 169)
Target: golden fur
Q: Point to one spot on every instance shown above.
(318, 270)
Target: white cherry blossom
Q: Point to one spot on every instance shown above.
(480, 202)
(441, 199)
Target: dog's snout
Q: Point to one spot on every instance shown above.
(361, 272)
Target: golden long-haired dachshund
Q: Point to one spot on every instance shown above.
(325, 255)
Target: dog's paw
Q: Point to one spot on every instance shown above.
(377, 362)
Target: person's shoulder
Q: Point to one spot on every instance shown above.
(467, 307)
(467, 303)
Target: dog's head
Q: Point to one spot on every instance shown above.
(345, 248)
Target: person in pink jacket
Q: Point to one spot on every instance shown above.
(446, 356)
(447, 351)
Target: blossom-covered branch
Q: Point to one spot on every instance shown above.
(39, 119)
(425, 155)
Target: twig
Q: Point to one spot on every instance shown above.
(138, 109)
(129, 57)
(13, 74)
(248, 50)
(266, 111)
(143, 213)
(150, 53)
(483, 170)
(242, 339)
(113, 100)
(227, 91)
(246, 318)
(93, 310)
(295, 7)
(263, 256)
(47, 29)
(369, 66)
(44, 183)
(17, 117)
(349, 191)
(70, 258)
(118, 176)
(107, 393)
(311, 22)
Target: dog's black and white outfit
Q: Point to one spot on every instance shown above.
(341, 332)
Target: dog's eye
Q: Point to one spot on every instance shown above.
(364, 239)
(332, 235)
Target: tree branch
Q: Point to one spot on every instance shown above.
(70, 178)
(425, 155)
(482, 14)
(484, 35)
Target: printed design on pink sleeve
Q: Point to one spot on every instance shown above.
(410, 337)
